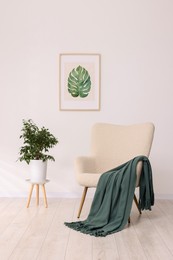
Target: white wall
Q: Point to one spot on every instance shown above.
(135, 40)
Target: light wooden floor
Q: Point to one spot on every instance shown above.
(39, 233)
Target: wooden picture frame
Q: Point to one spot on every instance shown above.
(79, 81)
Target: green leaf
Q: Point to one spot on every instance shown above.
(79, 82)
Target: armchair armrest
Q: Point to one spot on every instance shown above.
(86, 172)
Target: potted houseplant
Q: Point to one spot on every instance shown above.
(36, 144)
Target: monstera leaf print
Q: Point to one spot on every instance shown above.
(79, 82)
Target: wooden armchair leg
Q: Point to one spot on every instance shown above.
(82, 201)
(137, 204)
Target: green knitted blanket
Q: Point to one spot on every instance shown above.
(113, 198)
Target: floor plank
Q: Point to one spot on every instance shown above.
(30, 243)
(54, 246)
(128, 244)
(162, 220)
(151, 241)
(13, 206)
(38, 233)
(15, 230)
(79, 245)
(105, 248)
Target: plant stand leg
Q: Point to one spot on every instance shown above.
(30, 194)
(44, 196)
(37, 194)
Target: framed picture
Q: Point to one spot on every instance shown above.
(79, 81)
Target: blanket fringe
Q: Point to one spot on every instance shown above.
(79, 226)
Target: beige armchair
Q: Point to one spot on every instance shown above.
(112, 145)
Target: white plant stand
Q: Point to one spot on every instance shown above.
(37, 184)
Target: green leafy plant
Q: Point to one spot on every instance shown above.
(79, 82)
(37, 142)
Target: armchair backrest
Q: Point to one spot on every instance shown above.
(113, 145)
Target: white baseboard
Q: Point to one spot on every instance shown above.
(164, 196)
(69, 195)
(49, 194)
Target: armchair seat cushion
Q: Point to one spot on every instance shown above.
(89, 180)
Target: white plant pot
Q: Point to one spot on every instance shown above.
(38, 170)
